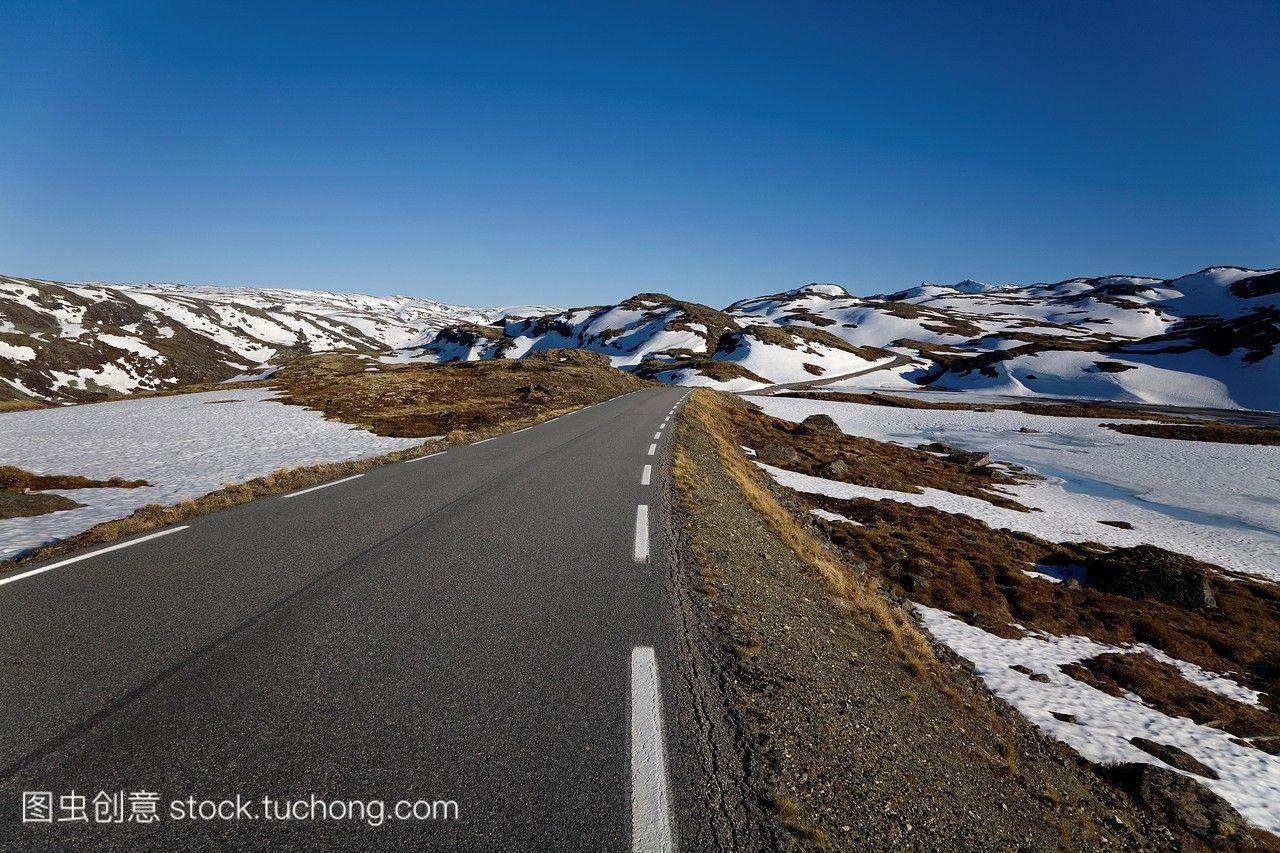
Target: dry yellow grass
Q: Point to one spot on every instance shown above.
(15, 479)
(21, 405)
(791, 817)
(856, 592)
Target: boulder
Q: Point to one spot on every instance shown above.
(1174, 757)
(939, 447)
(1181, 801)
(534, 392)
(958, 455)
(819, 425)
(916, 582)
(1146, 571)
(836, 469)
(970, 459)
(778, 454)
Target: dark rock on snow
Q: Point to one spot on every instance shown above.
(1146, 571)
(819, 425)
(1180, 800)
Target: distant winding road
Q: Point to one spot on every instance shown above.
(898, 361)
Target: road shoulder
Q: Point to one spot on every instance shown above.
(849, 744)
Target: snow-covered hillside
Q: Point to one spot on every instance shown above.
(665, 339)
(1205, 339)
(76, 342)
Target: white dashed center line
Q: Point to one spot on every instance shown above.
(650, 800)
(641, 549)
(78, 558)
(646, 475)
(322, 486)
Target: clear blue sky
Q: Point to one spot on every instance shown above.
(574, 154)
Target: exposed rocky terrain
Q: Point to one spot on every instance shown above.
(82, 342)
(1207, 339)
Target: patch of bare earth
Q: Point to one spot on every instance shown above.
(457, 399)
(1192, 611)
(1222, 433)
(859, 734)
(818, 448)
(1162, 687)
(21, 405)
(24, 494)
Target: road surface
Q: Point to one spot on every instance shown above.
(897, 361)
(487, 627)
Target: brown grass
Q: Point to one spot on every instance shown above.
(867, 462)
(421, 400)
(22, 492)
(791, 817)
(1219, 432)
(1163, 687)
(28, 504)
(22, 405)
(14, 479)
(856, 592)
(959, 564)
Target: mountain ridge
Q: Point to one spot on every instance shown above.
(1207, 338)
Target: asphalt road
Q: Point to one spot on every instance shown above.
(470, 627)
(898, 361)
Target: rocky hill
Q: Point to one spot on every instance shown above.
(64, 342)
(1204, 339)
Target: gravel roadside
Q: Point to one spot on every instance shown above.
(846, 745)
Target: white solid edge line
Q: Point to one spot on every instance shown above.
(650, 800)
(323, 486)
(653, 448)
(646, 476)
(428, 456)
(79, 557)
(641, 549)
